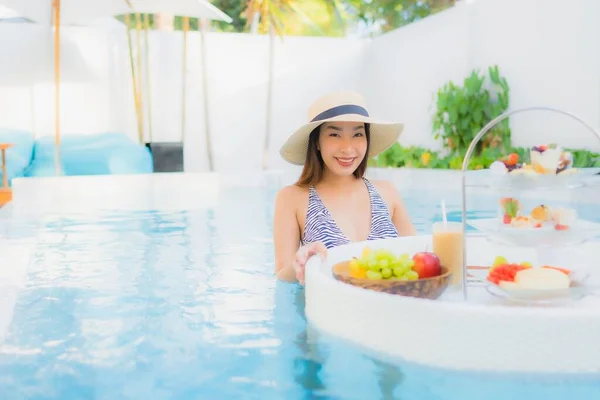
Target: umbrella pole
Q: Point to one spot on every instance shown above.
(33, 113)
(138, 29)
(147, 52)
(133, 81)
(205, 93)
(56, 5)
(186, 28)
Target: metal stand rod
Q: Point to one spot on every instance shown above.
(465, 165)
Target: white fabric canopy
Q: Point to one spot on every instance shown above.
(6, 12)
(72, 11)
(29, 58)
(84, 12)
(183, 8)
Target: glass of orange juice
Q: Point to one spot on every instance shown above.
(448, 246)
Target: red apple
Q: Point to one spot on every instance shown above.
(426, 264)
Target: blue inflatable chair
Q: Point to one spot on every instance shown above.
(99, 154)
(18, 157)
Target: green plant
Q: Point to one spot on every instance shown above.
(461, 112)
(420, 157)
(585, 158)
(411, 157)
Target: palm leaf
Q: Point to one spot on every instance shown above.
(294, 8)
(334, 7)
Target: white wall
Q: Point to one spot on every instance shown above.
(550, 55)
(404, 68)
(549, 51)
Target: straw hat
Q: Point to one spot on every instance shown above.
(346, 106)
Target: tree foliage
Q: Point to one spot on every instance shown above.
(327, 17)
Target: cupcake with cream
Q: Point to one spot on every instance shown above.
(546, 159)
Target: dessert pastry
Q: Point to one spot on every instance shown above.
(541, 216)
(523, 221)
(510, 209)
(565, 162)
(563, 218)
(540, 213)
(545, 159)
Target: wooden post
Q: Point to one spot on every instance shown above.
(57, 161)
(186, 28)
(5, 191)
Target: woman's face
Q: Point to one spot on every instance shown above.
(343, 146)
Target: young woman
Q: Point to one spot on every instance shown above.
(332, 203)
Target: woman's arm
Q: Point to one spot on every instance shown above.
(286, 233)
(400, 217)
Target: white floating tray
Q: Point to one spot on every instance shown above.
(481, 333)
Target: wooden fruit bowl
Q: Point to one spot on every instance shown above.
(426, 288)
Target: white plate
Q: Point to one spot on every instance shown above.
(578, 233)
(578, 290)
(510, 180)
(539, 297)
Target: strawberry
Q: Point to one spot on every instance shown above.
(560, 227)
(504, 272)
(513, 159)
(507, 219)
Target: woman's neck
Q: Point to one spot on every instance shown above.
(336, 181)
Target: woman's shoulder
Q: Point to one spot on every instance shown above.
(385, 187)
(387, 190)
(291, 194)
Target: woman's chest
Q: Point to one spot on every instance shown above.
(349, 214)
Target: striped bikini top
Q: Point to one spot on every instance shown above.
(320, 226)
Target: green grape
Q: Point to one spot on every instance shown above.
(408, 264)
(386, 273)
(382, 254)
(411, 275)
(404, 256)
(373, 265)
(399, 271)
(374, 275)
(383, 263)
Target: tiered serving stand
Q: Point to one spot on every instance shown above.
(475, 327)
(524, 188)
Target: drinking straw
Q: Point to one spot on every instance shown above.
(444, 212)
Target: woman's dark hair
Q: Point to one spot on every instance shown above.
(312, 172)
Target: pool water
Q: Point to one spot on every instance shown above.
(184, 305)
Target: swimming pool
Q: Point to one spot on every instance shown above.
(180, 303)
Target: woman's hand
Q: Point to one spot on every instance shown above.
(302, 256)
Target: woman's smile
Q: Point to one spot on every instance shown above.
(345, 161)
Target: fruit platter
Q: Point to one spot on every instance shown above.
(542, 224)
(523, 282)
(547, 165)
(420, 275)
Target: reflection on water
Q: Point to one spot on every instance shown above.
(184, 305)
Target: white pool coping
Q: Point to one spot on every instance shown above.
(172, 191)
